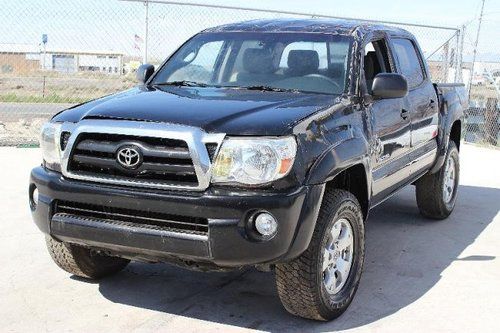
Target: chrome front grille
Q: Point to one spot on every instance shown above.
(163, 160)
(171, 156)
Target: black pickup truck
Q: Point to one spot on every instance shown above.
(263, 143)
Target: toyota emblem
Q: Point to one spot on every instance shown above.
(129, 157)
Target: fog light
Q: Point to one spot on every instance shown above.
(266, 224)
(33, 196)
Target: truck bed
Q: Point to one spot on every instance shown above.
(451, 92)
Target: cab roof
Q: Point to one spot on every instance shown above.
(328, 26)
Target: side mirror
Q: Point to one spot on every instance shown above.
(389, 85)
(144, 72)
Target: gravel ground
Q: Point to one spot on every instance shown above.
(420, 275)
(20, 123)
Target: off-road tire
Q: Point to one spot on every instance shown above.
(300, 281)
(429, 189)
(83, 262)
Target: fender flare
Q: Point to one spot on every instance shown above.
(340, 156)
(451, 111)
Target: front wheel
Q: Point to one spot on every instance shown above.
(437, 193)
(321, 283)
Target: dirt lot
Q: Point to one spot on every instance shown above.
(27, 101)
(21, 123)
(55, 87)
(420, 275)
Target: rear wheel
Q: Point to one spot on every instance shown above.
(437, 193)
(83, 262)
(321, 283)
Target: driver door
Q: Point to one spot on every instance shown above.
(391, 136)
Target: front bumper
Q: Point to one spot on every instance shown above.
(227, 243)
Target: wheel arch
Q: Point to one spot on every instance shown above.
(345, 166)
(456, 132)
(354, 180)
(451, 119)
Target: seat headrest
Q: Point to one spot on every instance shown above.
(302, 62)
(259, 61)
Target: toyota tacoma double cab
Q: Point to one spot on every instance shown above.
(263, 143)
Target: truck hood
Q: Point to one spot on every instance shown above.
(230, 111)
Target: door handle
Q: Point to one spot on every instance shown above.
(404, 114)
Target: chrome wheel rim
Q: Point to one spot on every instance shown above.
(449, 180)
(338, 256)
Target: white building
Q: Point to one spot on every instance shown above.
(20, 56)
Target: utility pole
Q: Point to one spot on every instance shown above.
(146, 31)
(475, 46)
(45, 39)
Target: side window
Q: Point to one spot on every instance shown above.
(199, 64)
(376, 61)
(409, 61)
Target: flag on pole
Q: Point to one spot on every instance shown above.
(138, 39)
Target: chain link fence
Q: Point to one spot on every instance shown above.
(482, 123)
(58, 53)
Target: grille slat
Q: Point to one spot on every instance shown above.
(139, 218)
(97, 146)
(103, 162)
(164, 161)
(97, 161)
(111, 147)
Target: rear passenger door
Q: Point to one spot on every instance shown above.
(421, 103)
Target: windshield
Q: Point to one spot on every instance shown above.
(306, 62)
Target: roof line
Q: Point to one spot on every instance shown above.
(194, 4)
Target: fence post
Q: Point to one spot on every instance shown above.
(146, 32)
(461, 54)
(446, 56)
(491, 121)
(458, 55)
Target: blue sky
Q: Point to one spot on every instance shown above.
(111, 24)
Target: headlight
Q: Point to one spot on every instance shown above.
(254, 161)
(51, 149)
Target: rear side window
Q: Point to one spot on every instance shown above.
(409, 61)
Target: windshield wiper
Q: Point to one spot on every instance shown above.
(183, 83)
(269, 88)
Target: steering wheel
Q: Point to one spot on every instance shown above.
(326, 78)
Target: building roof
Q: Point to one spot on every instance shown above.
(329, 26)
(31, 48)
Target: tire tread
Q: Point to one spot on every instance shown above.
(296, 280)
(429, 192)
